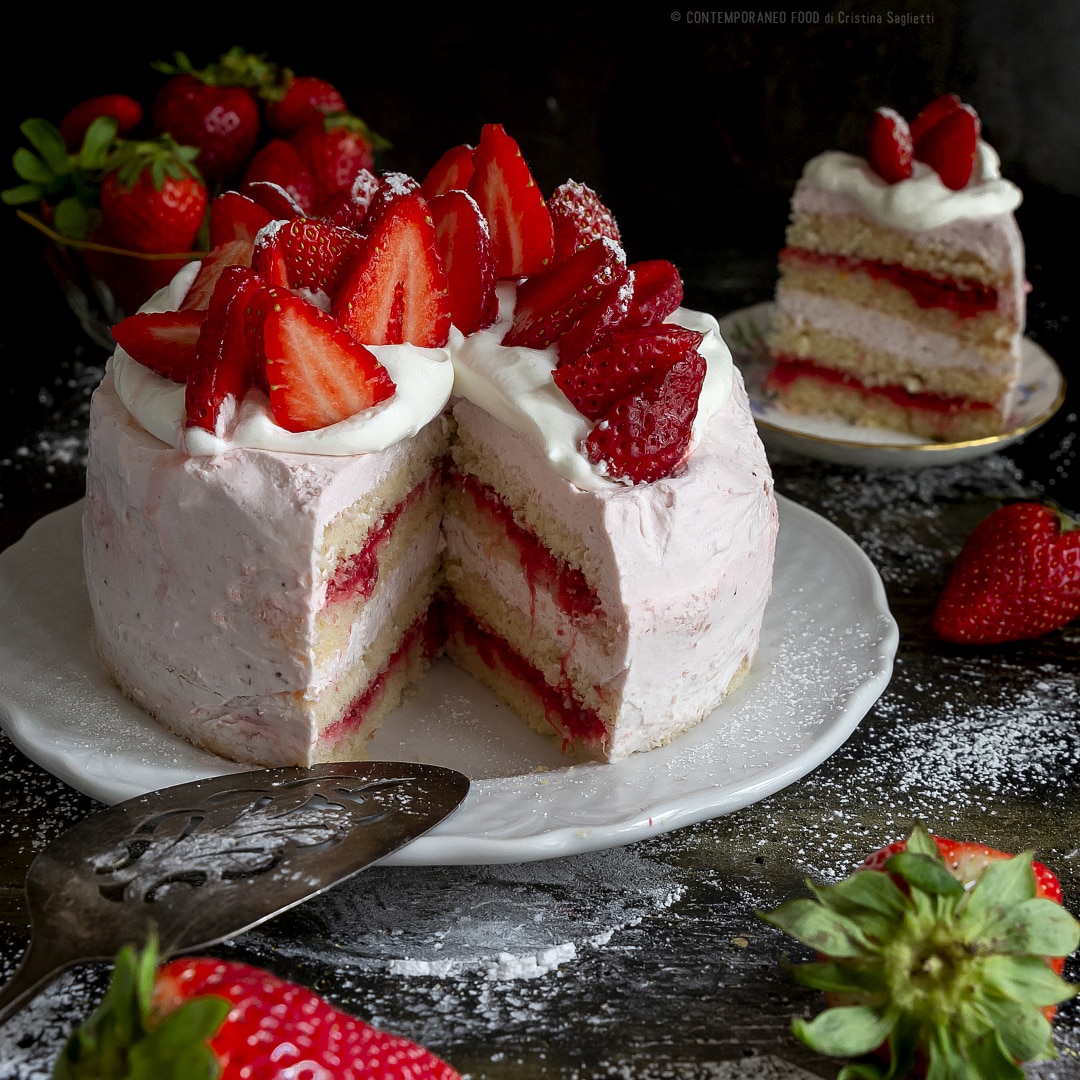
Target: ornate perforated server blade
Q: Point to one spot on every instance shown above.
(204, 861)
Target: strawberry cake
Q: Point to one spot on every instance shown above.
(901, 298)
(537, 462)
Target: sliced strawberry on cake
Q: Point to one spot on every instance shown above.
(316, 254)
(395, 290)
(223, 369)
(579, 216)
(658, 292)
(318, 374)
(464, 242)
(646, 435)
(452, 171)
(551, 303)
(623, 365)
(508, 196)
(163, 341)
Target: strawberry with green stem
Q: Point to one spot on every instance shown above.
(940, 957)
(200, 1017)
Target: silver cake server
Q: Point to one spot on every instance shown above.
(204, 861)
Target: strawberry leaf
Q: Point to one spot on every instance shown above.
(1021, 1035)
(847, 1030)
(824, 930)
(926, 873)
(1038, 927)
(1027, 979)
(46, 139)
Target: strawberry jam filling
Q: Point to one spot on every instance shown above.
(357, 576)
(962, 296)
(425, 632)
(543, 570)
(577, 723)
(789, 369)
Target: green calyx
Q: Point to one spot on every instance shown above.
(237, 67)
(161, 157)
(125, 1040)
(918, 968)
(65, 182)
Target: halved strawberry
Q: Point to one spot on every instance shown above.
(550, 303)
(234, 216)
(318, 373)
(600, 319)
(628, 360)
(268, 256)
(508, 196)
(229, 253)
(939, 107)
(452, 171)
(274, 198)
(949, 147)
(658, 292)
(316, 253)
(391, 187)
(395, 289)
(464, 241)
(223, 366)
(163, 341)
(579, 216)
(889, 145)
(646, 435)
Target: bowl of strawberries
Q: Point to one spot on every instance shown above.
(120, 191)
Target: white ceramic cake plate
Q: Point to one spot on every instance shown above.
(1042, 391)
(827, 650)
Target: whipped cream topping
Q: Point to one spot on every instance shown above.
(922, 201)
(424, 379)
(513, 384)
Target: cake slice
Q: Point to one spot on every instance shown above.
(901, 297)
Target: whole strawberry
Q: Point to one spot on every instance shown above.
(1017, 577)
(943, 958)
(215, 108)
(335, 149)
(206, 1018)
(298, 100)
(152, 197)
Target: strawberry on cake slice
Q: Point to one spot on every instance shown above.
(449, 415)
(902, 296)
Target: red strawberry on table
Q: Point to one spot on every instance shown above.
(512, 203)
(943, 958)
(395, 288)
(152, 197)
(126, 111)
(203, 1017)
(1017, 577)
(214, 109)
(317, 372)
(889, 146)
(950, 144)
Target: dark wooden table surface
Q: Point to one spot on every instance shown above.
(645, 961)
